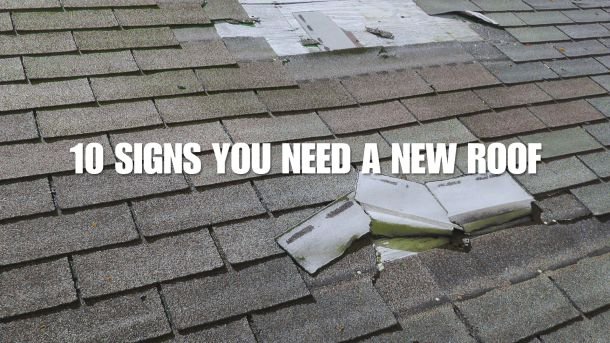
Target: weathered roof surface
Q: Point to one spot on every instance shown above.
(193, 258)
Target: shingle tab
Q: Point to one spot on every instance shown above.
(67, 20)
(541, 34)
(588, 16)
(114, 270)
(210, 107)
(544, 18)
(327, 319)
(50, 236)
(370, 117)
(600, 131)
(213, 298)
(25, 198)
(28, 96)
(562, 142)
(225, 9)
(586, 283)
(509, 72)
(529, 52)
(145, 86)
(28, 4)
(444, 105)
(577, 67)
(582, 48)
(555, 175)
(107, 3)
(87, 189)
(44, 158)
(550, 4)
(563, 207)
(36, 43)
(203, 134)
(602, 104)
(571, 88)
(583, 31)
(17, 127)
(505, 19)
(512, 96)
(292, 191)
(125, 39)
(386, 86)
(276, 129)
(446, 131)
(81, 120)
(310, 95)
(237, 331)
(599, 162)
(11, 70)
(595, 197)
(197, 209)
(455, 77)
(501, 5)
(248, 75)
(523, 309)
(191, 55)
(504, 123)
(129, 318)
(48, 67)
(36, 287)
(566, 113)
(161, 17)
(6, 25)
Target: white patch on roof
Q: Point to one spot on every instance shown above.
(403, 18)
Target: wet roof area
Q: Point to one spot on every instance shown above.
(179, 258)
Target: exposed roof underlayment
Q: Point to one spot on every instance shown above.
(409, 24)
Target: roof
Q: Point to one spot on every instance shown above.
(193, 258)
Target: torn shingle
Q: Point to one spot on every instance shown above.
(131, 317)
(463, 76)
(248, 75)
(562, 142)
(512, 96)
(599, 162)
(504, 123)
(327, 319)
(114, 270)
(509, 72)
(28, 96)
(566, 113)
(555, 175)
(586, 283)
(36, 43)
(11, 69)
(36, 287)
(17, 127)
(561, 208)
(446, 131)
(545, 303)
(577, 67)
(369, 117)
(48, 67)
(190, 55)
(161, 17)
(293, 191)
(50, 236)
(44, 158)
(600, 131)
(310, 95)
(81, 120)
(124, 39)
(595, 197)
(210, 107)
(276, 129)
(197, 209)
(376, 87)
(540, 34)
(212, 298)
(25, 198)
(444, 105)
(145, 86)
(571, 88)
(68, 20)
(203, 134)
(88, 189)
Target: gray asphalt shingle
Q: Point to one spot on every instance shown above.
(6, 25)
(444, 105)
(562, 142)
(17, 127)
(15, 97)
(577, 67)
(190, 55)
(509, 72)
(161, 17)
(540, 34)
(600, 131)
(25, 198)
(566, 113)
(583, 31)
(212, 298)
(556, 174)
(571, 88)
(529, 52)
(512, 96)
(50, 236)
(124, 39)
(386, 86)
(599, 162)
(310, 95)
(67, 20)
(595, 197)
(248, 75)
(283, 128)
(11, 69)
(544, 18)
(237, 331)
(36, 287)
(504, 123)
(455, 77)
(36, 43)
(582, 48)
(365, 118)
(48, 67)
(561, 208)
(446, 131)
